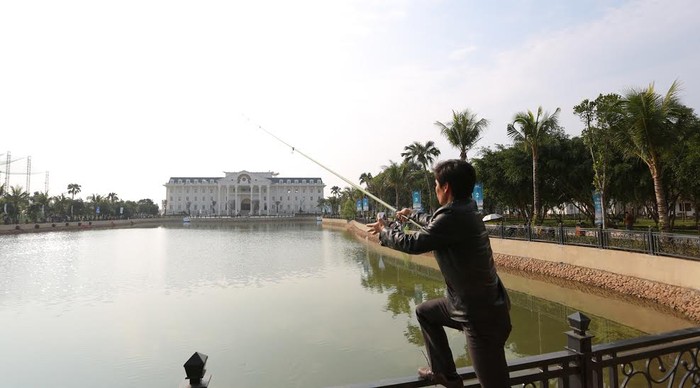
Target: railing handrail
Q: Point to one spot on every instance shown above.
(676, 245)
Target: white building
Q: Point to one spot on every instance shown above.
(243, 193)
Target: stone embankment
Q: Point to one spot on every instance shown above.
(685, 301)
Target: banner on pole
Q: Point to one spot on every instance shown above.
(478, 195)
(416, 200)
(365, 204)
(598, 205)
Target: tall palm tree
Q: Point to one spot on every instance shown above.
(424, 155)
(73, 189)
(645, 133)
(112, 197)
(395, 175)
(335, 201)
(531, 130)
(464, 131)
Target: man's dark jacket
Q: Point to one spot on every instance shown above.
(460, 243)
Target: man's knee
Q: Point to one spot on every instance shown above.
(421, 311)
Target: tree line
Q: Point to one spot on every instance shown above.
(17, 205)
(639, 150)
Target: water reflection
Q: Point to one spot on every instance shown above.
(538, 324)
(271, 304)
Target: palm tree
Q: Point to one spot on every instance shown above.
(463, 131)
(95, 199)
(531, 132)
(395, 175)
(112, 197)
(334, 201)
(335, 190)
(18, 199)
(39, 206)
(645, 133)
(424, 155)
(366, 179)
(73, 189)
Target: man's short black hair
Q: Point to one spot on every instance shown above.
(459, 174)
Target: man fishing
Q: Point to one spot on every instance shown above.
(477, 302)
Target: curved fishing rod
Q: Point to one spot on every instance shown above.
(358, 187)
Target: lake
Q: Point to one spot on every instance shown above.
(292, 304)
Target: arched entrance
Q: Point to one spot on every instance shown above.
(245, 206)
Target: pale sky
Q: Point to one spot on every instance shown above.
(120, 96)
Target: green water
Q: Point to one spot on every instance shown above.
(270, 304)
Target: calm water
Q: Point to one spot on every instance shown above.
(270, 304)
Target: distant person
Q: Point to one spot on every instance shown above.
(477, 302)
(629, 220)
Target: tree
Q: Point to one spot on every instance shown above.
(688, 169)
(146, 207)
(17, 200)
(73, 189)
(505, 181)
(366, 179)
(112, 197)
(395, 178)
(335, 201)
(38, 206)
(348, 209)
(464, 131)
(531, 130)
(600, 116)
(424, 155)
(646, 132)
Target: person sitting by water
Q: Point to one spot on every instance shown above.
(477, 302)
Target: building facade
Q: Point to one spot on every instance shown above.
(242, 193)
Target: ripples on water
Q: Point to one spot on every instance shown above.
(271, 304)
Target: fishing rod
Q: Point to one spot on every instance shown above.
(358, 187)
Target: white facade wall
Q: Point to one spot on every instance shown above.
(243, 193)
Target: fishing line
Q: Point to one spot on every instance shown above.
(358, 187)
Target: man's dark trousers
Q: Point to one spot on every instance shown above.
(486, 331)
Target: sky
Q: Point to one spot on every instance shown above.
(120, 96)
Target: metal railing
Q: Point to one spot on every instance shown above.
(670, 360)
(653, 243)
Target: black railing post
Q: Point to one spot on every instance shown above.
(196, 372)
(528, 231)
(601, 238)
(561, 233)
(579, 342)
(503, 228)
(652, 248)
